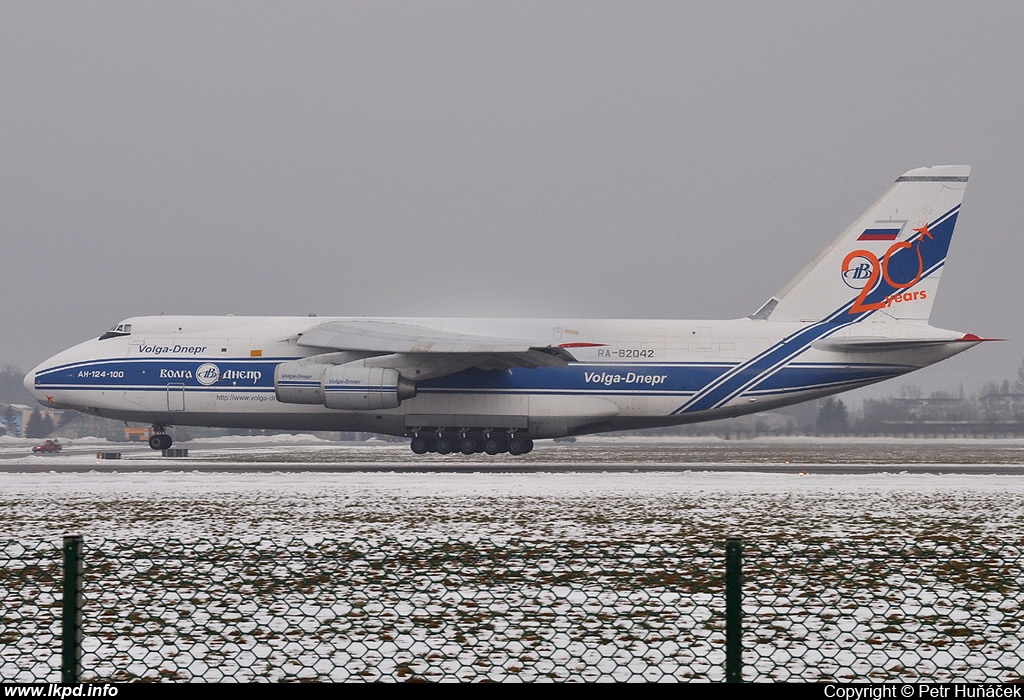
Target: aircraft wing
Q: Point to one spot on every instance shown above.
(443, 351)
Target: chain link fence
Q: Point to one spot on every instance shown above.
(486, 610)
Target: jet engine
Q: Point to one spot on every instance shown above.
(365, 388)
(351, 386)
(299, 382)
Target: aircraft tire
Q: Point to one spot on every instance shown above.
(420, 445)
(160, 441)
(517, 446)
(467, 446)
(444, 445)
(529, 446)
(494, 446)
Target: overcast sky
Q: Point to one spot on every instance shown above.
(565, 159)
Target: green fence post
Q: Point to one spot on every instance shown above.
(734, 610)
(71, 631)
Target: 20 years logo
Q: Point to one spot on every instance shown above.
(862, 268)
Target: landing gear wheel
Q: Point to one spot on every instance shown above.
(420, 445)
(517, 446)
(161, 441)
(467, 446)
(444, 445)
(495, 446)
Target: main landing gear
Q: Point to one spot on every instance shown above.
(469, 442)
(159, 439)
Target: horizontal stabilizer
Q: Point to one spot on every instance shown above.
(877, 344)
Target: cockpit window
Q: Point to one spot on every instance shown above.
(117, 331)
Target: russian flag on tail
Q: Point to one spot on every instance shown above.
(879, 234)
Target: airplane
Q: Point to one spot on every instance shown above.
(856, 315)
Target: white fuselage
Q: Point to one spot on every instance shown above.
(219, 371)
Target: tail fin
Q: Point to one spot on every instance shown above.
(888, 261)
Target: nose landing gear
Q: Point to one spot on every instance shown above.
(159, 439)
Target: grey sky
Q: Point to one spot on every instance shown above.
(570, 159)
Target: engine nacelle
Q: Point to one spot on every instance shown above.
(300, 382)
(350, 386)
(356, 388)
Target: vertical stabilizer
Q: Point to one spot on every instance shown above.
(887, 262)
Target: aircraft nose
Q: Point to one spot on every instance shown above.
(30, 383)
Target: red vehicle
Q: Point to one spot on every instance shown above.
(49, 446)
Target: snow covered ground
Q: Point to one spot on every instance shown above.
(604, 493)
(291, 488)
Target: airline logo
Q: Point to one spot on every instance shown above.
(172, 349)
(609, 379)
(208, 374)
(857, 271)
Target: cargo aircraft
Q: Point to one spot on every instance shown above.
(856, 315)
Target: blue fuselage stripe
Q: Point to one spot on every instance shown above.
(704, 385)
